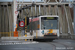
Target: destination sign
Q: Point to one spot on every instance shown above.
(49, 18)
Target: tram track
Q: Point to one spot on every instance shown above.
(61, 44)
(54, 46)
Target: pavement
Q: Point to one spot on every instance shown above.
(58, 44)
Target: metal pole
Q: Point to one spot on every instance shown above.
(74, 20)
(35, 11)
(44, 9)
(60, 18)
(69, 19)
(56, 9)
(20, 27)
(9, 15)
(7, 19)
(5, 13)
(53, 9)
(65, 23)
(12, 20)
(39, 10)
(31, 20)
(33, 7)
(3, 18)
(25, 28)
(15, 12)
(49, 9)
(0, 20)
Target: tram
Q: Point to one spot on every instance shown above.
(45, 27)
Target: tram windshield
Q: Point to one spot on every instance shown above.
(49, 22)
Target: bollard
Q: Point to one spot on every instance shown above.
(15, 33)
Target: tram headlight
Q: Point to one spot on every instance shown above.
(54, 33)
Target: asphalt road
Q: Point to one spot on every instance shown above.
(60, 44)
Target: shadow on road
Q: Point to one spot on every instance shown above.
(43, 40)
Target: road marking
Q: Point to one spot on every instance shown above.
(18, 43)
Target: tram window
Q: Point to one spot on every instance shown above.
(49, 23)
